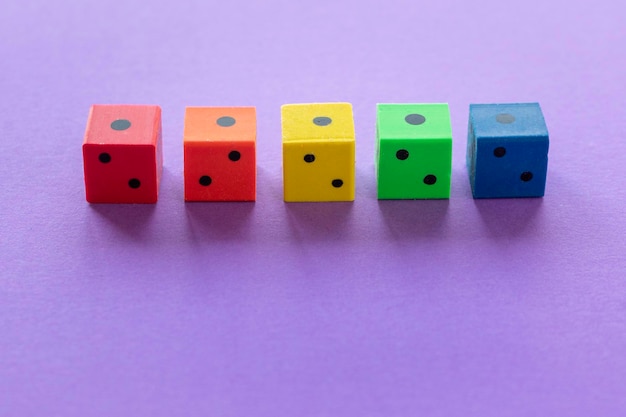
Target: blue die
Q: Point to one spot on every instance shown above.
(507, 150)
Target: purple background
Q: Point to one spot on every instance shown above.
(394, 308)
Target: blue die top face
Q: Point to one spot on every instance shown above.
(507, 152)
(509, 121)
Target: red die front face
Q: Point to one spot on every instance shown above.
(220, 171)
(120, 173)
(122, 154)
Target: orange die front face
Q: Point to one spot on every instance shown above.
(220, 154)
(122, 154)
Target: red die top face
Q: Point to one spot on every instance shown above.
(220, 154)
(123, 125)
(122, 154)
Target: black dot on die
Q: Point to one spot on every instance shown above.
(309, 158)
(505, 118)
(234, 156)
(337, 183)
(134, 183)
(226, 121)
(205, 180)
(430, 179)
(415, 119)
(104, 157)
(322, 121)
(499, 152)
(402, 154)
(526, 176)
(120, 124)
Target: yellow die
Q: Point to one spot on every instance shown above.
(318, 152)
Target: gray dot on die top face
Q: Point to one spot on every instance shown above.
(226, 121)
(415, 119)
(322, 121)
(120, 124)
(505, 118)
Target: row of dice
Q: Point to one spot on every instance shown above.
(507, 152)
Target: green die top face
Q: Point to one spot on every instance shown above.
(414, 151)
(413, 121)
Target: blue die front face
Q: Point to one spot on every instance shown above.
(507, 150)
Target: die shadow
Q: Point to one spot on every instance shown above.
(320, 221)
(132, 220)
(221, 221)
(510, 217)
(414, 219)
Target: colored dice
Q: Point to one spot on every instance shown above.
(122, 154)
(414, 151)
(318, 152)
(220, 154)
(507, 150)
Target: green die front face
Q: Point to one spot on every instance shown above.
(414, 151)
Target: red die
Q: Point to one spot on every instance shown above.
(220, 153)
(123, 154)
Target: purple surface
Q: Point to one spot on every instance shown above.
(433, 308)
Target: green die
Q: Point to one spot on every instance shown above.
(413, 151)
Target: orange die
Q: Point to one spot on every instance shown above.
(220, 153)
(123, 154)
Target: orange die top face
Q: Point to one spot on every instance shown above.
(220, 154)
(220, 124)
(122, 154)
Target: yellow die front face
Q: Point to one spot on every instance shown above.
(318, 152)
(318, 170)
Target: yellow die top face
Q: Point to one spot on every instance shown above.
(317, 121)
